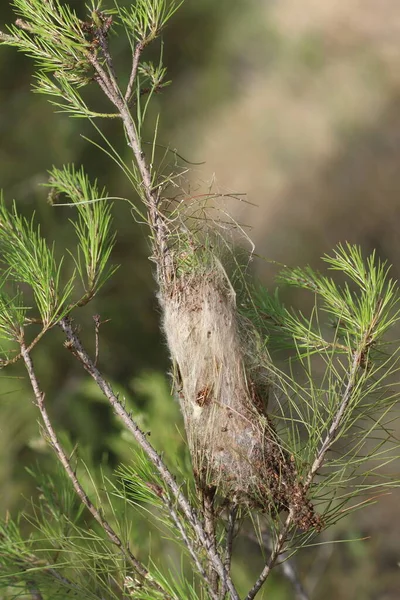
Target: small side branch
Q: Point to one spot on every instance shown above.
(40, 397)
(291, 575)
(33, 563)
(17, 357)
(135, 63)
(102, 79)
(275, 553)
(150, 193)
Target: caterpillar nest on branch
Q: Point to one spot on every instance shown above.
(234, 446)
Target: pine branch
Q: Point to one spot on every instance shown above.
(33, 591)
(135, 63)
(58, 449)
(74, 345)
(319, 459)
(150, 194)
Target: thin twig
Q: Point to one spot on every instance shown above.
(54, 573)
(150, 195)
(104, 87)
(74, 345)
(102, 78)
(17, 357)
(135, 63)
(96, 319)
(102, 36)
(125, 550)
(285, 566)
(290, 573)
(276, 551)
(35, 563)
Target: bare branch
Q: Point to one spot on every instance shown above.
(289, 572)
(135, 63)
(58, 449)
(102, 79)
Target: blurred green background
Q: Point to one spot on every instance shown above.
(296, 104)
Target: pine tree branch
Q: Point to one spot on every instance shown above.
(58, 449)
(74, 345)
(289, 572)
(17, 357)
(151, 197)
(33, 563)
(135, 63)
(275, 553)
(318, 462)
